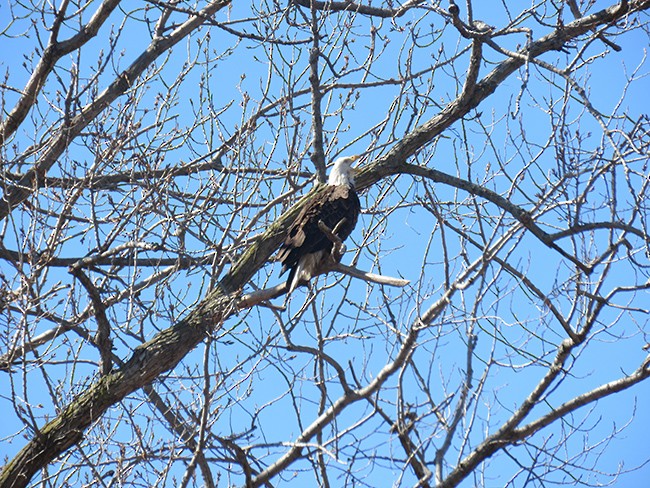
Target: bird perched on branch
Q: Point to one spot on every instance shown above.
(337, 207)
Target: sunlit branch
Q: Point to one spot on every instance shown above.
(360, 8)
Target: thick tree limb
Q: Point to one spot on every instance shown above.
(575, 10)
(317, 152)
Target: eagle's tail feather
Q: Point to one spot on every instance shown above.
(304, 270)
(291, 278)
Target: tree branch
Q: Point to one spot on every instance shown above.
(350, 6)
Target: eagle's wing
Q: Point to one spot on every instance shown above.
(331, 206)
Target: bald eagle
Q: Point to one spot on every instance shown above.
(305, 246)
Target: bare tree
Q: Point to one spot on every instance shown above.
(155, 153)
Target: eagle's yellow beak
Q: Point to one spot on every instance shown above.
(354, 159)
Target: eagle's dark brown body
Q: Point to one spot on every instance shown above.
(305, 245)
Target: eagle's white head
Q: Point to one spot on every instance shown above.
(342, 172)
